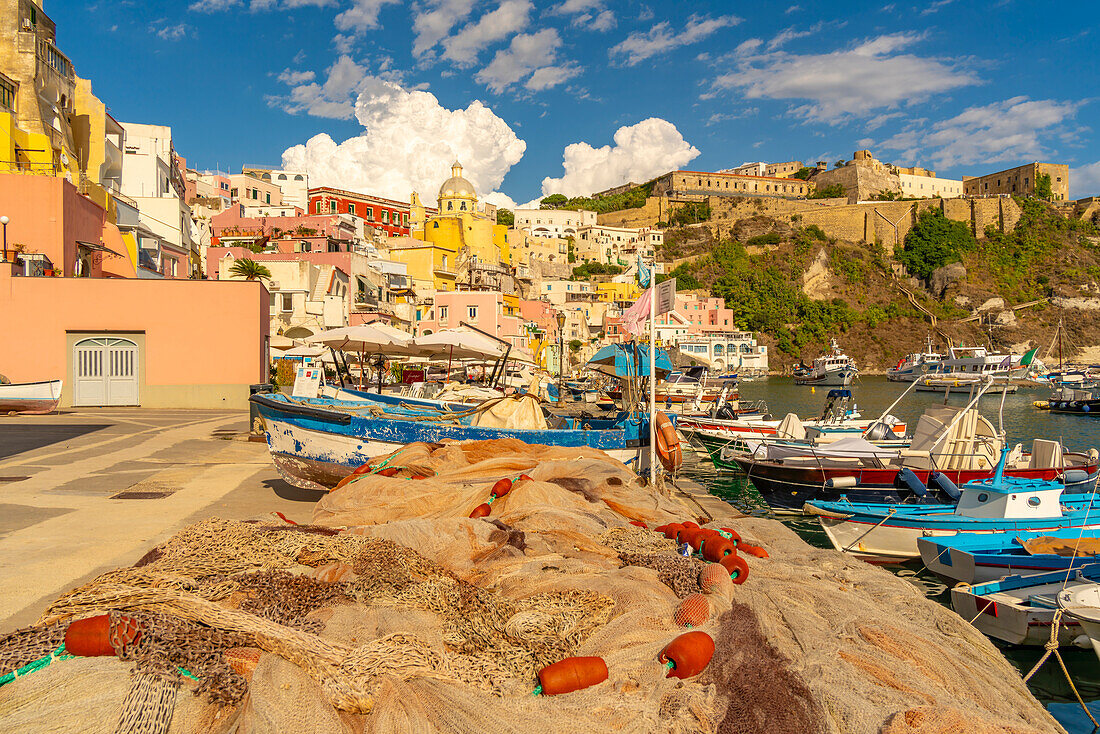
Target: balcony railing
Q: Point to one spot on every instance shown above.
(56, 60)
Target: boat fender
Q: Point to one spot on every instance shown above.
(840, 482)
(1084, 409)
(668, 444)
(1093, 455)
(688, 655)
(753, 550)
(92, 637)
(737, 566)
(718, 548)
(912, 482)
(571, 674)
(481, 510)
(693, 537)
(694, 611)
(943, 482)
(1075, 476)
(502, 487)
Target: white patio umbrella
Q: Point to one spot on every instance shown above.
(458, 344)
(364, 339)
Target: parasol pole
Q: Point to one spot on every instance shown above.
(652, 384)
(450, 355)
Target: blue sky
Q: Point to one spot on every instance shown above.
(578, 95)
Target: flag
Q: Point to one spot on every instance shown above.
(636, 315)
(1006, 363)
(1029, 357)
(643, 273)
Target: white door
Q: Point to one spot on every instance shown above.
(105, 372)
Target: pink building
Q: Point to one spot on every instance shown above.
(232, 224)
(701, 314)
(481, 309)
(148, 342)
(52, 227)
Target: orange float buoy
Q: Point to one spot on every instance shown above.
(389, 471)
(737, 566)
(668, 443)
(694, 611)
(347, 480)
(717, 548)
(639, 524)
(715, 579)
(502, 487)
(689, 654)
(689, 524)
(672, 530)
(692, 536)
(91, 637)
(572, 674)
(481, 510)
(362, 469)
(753, 550)
(526, 478)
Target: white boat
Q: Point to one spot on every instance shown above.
(974, 362)
(960, 384)
(1020, 610)
(1080, 602)
(30, 397)
(835, 369)
(915, 365)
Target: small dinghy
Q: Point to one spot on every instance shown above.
(976, 558)
(30, 397)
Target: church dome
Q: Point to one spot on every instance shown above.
(457, 187)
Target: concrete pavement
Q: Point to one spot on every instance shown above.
(87, 491)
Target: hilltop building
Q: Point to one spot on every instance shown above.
(697, 185)
(560, 223)
(1020, 180)
(864, 178)
(787, 169)
(387, 216)
(293, 185)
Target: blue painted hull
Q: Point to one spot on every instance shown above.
(974, 558)
(316, 443)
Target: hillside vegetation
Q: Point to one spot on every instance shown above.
(799, 288)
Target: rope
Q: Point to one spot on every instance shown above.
(58, 654)
(1052, 648)
(869, 530)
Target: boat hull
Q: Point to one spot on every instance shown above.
(30, 397)
(1012, 623)
(980, 559)
(839, 378)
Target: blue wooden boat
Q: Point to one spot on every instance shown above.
(316, 442)
(977, 558)
(1020, 609)
(889, 532)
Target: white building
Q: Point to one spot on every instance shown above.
(616, 245)
(558, 292)
(152, 178)
(553, 222)
(733, 351)
(294, 185)
(928, 186)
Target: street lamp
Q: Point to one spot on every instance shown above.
(561, 356)
(4, 255)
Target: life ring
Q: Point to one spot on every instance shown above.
(668, 444)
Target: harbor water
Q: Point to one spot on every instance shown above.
(1022, 423)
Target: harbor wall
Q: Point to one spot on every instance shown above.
(200, 344)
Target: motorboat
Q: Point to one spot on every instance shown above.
(833, 369)
(912, 366)
(1079, 601)
(1074, 400)
(30, 397)
(977, 558)
(960, 384)
(975, 362)
(1000, 504)
(1020, 609)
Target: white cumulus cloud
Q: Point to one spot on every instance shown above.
(640, 152)
(289, 76)
(869, 76)
(1084, 180)
(638, 46)
(408, 144)
(508, 18)
(530, 53)
(434, 20)
(361, 16)
(1010, 131)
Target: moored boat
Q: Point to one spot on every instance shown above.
(833, 369)
(977, 558)
(30, 397)
(912, 366)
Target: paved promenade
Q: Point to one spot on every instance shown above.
(87, 491)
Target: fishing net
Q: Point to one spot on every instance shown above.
(397, 612)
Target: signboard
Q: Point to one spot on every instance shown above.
(666, 296)
(308, 382)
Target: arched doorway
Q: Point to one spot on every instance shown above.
(105, 372)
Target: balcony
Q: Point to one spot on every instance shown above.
(444, 272)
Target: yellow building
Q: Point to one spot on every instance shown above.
(443, 247)
(617, 292)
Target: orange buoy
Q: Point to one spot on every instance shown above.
(715, 579)
(672, 530)
(389, 471)
(694, 611)
(91, 637)
(668, 444)
(689, 524)
(692, 536)
(753, 550)
(690, 653)
(502, 487)
(347, 480)
(737, 566)
(526, 478)
(481, 510)
(362, 469)
(572, 674)
(639, 524)
(734, 535)
(661, 528)
(717, 548)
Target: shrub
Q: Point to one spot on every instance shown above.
(506, 217)
(832, 191)
(933, 242)
(771, 238)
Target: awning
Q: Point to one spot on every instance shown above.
(96, 247)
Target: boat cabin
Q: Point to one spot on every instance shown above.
(1010, 499)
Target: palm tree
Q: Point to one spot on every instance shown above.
(249, 269)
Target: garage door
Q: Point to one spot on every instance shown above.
(105, 372)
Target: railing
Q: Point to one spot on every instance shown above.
(29, 169)
(56, 60)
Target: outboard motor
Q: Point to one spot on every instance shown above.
(878, 432)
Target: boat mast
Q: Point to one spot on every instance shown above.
(1060, 368)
